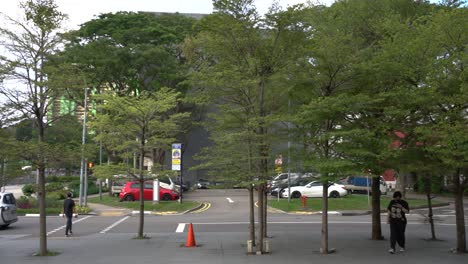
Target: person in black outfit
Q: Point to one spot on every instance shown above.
(397, 208)
(68, 211)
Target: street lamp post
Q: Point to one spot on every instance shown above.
(83, 142)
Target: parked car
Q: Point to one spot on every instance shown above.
(131, 192)
(116, 187)
(7, 209)
(282, 178)
(203, 184)
(282, 187)
(315, 189)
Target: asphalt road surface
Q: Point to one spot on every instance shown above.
(221, 233)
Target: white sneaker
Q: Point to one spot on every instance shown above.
(391, 251)
(402, 249)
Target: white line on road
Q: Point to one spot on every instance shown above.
(313, 222)
(62, 227)
(180, 228)
(114, 225)
(230, 200)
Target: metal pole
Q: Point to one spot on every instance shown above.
(181, 173)
(85, 191)
(368, 191)
(83, 142)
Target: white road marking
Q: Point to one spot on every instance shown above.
(313, 222)
(62, 227)
(180, 228)
(230, 200)
(114, 225)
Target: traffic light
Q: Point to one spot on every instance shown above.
(90, 168)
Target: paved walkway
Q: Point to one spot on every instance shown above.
(104, 210)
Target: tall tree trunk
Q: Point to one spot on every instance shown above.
(252, 215)
(142, 187)
(427, 187)
(260, 219)
(324, 237)
(376, 223)
(142, 208)
(459, 213)
(265, 211)
(41, 194)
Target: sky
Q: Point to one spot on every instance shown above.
(80, 11)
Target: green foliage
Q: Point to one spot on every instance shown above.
(151, 118)
(241, 65)
(26, 202)
(436, 184)
(83, 209)
(29, 189)
(56, 195)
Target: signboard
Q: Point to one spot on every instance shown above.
(176, 156)
(279, 163)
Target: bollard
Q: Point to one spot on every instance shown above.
(303, 201)
(267, 246)
(249, 247)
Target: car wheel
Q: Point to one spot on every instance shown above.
(296, 195)
(166, 197)
(129, 198)
(335, 194)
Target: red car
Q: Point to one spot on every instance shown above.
(131, 192)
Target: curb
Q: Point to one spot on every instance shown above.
(202, 204)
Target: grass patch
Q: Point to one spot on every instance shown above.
(349, 202)
(162, 206)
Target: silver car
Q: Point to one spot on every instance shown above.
(7, 209)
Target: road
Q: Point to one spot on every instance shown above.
(221, 233)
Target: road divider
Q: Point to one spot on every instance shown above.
(205, 206)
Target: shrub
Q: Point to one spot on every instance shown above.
(82, 209)
(29, 189)
(25, 202)
(57, 195)
(53, 203)
(54, 186)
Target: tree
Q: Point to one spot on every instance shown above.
(29, 45)
(237, 58)
(129, 53)
(140, 123)
(447, 106)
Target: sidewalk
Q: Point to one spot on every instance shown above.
(104, 210)
(352, 246)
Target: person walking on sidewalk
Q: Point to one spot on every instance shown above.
(68, 210)
(397, 208)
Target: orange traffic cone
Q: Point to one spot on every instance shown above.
(190, 238)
